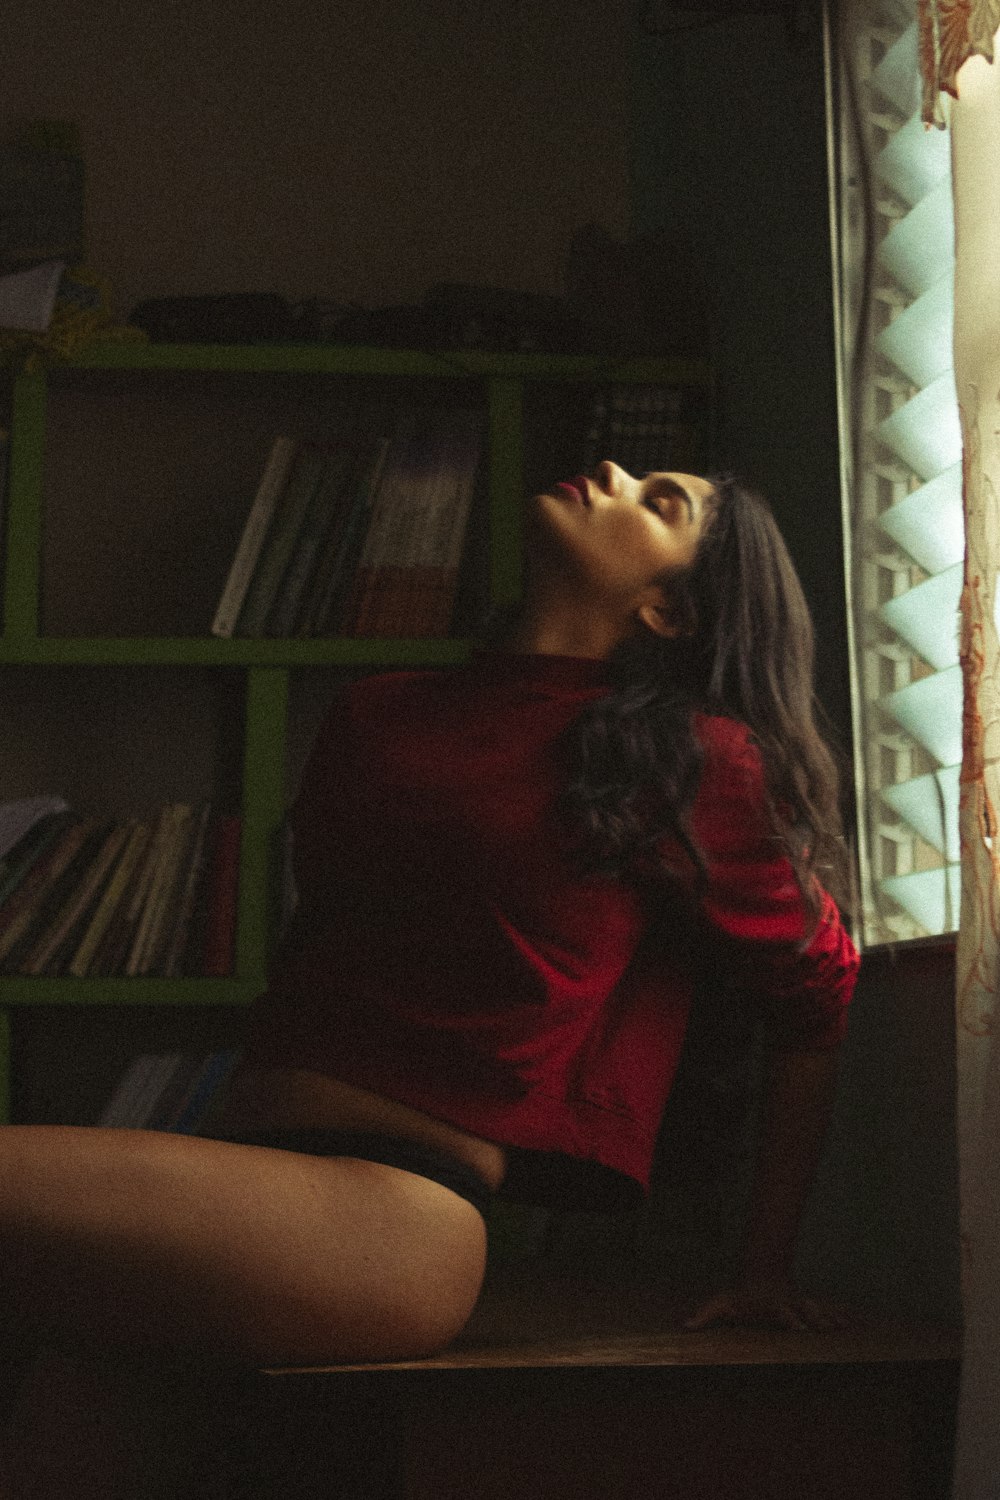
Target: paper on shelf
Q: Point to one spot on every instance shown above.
(28, 298)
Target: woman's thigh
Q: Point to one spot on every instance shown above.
(149, 1240)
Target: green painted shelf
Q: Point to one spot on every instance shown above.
(18, 990)
(329, 359)
(204, 651)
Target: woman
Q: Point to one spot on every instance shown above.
(509, 878)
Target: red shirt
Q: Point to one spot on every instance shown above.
(445, 953)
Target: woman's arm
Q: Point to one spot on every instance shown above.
(797, 1103)
(798, 1099)
(802, 972)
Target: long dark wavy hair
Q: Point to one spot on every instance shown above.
(747, 654)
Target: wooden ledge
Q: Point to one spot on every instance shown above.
(563, 1327)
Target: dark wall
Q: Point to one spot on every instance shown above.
(728, 154)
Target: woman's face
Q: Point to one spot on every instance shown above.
(621, 537)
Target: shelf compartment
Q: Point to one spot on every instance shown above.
(149, 478)
(67, 1060)
(126, 745)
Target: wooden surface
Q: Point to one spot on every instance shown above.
(561, 1326)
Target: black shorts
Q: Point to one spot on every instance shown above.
(390, 1150)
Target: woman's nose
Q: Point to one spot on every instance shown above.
(608, 476)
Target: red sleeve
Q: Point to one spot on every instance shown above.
(752, 900)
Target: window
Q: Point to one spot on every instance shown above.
(901, 468)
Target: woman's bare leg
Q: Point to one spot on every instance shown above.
(133, 1252)
(235, 1253)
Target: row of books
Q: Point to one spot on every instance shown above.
(360, 534)
(177, 1091)
(87, 896)
(642, 428)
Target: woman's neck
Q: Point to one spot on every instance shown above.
(557, 628)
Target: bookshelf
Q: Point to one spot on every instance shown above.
(501, 385)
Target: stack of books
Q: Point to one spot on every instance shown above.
(360, 534)
(177, 1091)
(642, 428)
(85, 896)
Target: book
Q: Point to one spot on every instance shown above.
(204, 1089)
(115, 948)
(220, 896)
(174, 1092)
(22, 858)
(385, 574)
(172, 894)
(430, 605)
(255, 530)
(46, 891)
(399, 479)
(17, 819)
(324, 605)
(193, 878)
(323, 513)
(45, 955)
(410, 589)
(135, 1095)
(179, 1092)
(112, 895)
(289, 514)
(156, 910)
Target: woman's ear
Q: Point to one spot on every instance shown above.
(667, 617)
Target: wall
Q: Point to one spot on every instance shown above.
(728, 152)
(354, 152)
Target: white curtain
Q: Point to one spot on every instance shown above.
(958, 42)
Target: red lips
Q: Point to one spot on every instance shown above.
(575, 487)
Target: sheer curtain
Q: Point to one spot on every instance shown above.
(957, 41)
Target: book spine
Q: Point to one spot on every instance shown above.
(385, 507)
(327, 605)
(425, 602)
(134, 1102)
(114, 892)
(382, 583)
(18, 821)
(23, 861)
(205, 1090)
(45, 957)
(119, 1109)
(172, 890)
(319, 523)
(138, 914)
(193, 877)
(19, 934)
(251, 542)
(289, 515)
(175, 1092)
(142, 956)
